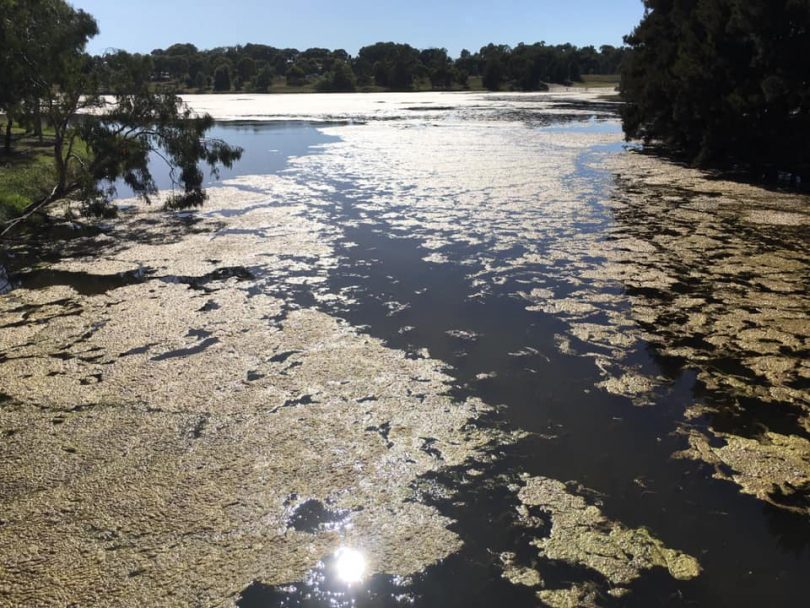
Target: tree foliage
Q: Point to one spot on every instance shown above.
(386, 65)
(263, 80)
(724, 82)
(296, 76)
(339, 79)
(107, 104)
(222, 78)
(41, 51)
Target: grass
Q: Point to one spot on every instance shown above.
(27, 174)
(598, 81)
(281, 87)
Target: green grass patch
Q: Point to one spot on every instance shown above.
(598, 81)
(281, 87)
(27, 174)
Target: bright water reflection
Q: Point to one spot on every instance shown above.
(350, 565)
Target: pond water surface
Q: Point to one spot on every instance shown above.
(624, 343)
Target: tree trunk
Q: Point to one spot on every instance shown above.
(9, 124)
(38, 121)
(61, 165)
(5, 284)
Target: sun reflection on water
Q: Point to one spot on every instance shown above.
(350, 565)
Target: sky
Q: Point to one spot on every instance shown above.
(144, 25)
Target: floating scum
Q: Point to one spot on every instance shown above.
(627, 250)
(160, 436)
(163, 436)
(163, 476)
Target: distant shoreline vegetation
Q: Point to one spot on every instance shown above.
(384, 66)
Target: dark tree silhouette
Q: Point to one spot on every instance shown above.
(222, 78)
(723, 82)
(387, 65)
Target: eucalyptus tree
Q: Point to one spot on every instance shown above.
(222, 78)
(41, 48)
(264, 79)
(106, 117)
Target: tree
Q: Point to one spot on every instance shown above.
(264, 79)
(200, 82)
(385, 64)
(493, 74)
(42, 44)
(462, 77)
(382, 72)
(296, 76)
(15, 85)
(246, 68)
(467, 63)
(222, 78)
(400, 77)
(343, 78)
(523, 69)
(723, 83)
(494, 59)
(391, 65)
(439, 67)
(121, 129)
(340, 79)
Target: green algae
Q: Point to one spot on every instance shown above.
(576, 596)
(773, 468)
(161, 477)
(581, 535)
(176, 476)
(711, 274)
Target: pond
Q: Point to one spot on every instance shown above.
(416, 350)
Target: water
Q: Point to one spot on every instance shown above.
(267, 148)
(502, 236)
(603, 442)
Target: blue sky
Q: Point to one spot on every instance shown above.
(143, 25)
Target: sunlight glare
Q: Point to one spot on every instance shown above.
(350, 565)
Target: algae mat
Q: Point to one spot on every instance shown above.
(502, 372)
(160, 437)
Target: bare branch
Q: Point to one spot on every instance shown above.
(36, 207)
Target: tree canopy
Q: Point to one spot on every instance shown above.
(383, 65)
(723, 82)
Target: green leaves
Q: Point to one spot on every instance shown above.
(107, 107)
(723, 82)
(143, 125)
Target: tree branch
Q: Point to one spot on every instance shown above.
(36, 207)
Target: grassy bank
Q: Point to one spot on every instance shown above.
(27, 173)
(598, 81)
(280, 87)
(474, 84)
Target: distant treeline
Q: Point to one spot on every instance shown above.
(385, 65)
